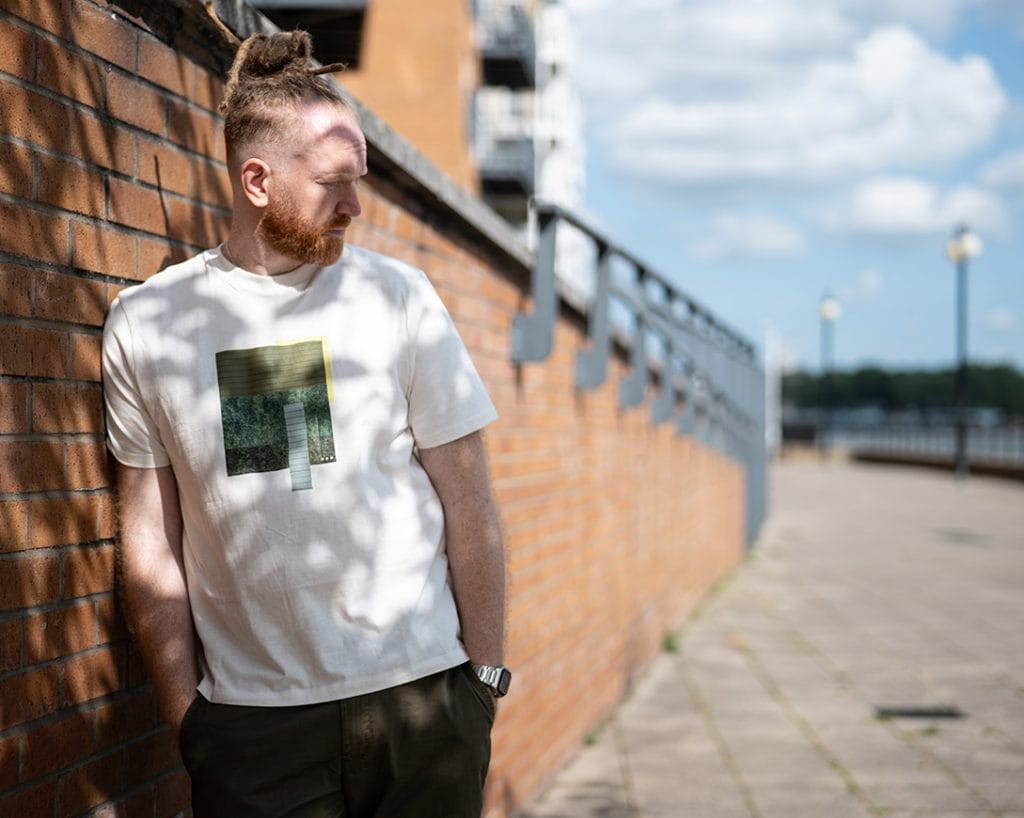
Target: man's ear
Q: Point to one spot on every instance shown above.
(255, 174)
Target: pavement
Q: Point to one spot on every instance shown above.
(870, 587)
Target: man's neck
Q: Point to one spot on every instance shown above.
(253, 256)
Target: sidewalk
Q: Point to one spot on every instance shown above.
(871, 586)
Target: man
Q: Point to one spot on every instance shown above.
(303, 487)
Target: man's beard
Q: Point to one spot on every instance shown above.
(292, 235)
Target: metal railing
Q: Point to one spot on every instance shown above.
(709, 379)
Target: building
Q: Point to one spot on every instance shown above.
(480, 88)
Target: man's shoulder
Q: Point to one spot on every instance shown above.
(386, 273)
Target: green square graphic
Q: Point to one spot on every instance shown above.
(257, 387)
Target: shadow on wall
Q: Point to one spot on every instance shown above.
(108, 172)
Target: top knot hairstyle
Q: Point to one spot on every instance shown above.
(270, 77)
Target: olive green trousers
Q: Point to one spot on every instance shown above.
(419, 750)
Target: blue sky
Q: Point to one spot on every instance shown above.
(761, 153)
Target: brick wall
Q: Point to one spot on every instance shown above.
(110, 168)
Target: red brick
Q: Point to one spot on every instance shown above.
(165, 67)
(173, 794)
(100, 249)
(37, 802)
(10, 646)
(125, 719)
(194, 129)
(92, 675)
(57, 745)
(67, 409)
(105, 35)
(196, 225)
(34, 118)
(16, 55)
(31, 466)
(138, 207)
(70, 187)
(92, 784)
(26, 696)
(85, 357)
(16, 291)
(70, 298)
(88, 571)
(110, 623)
(87, 466)
(32, 351)
(155, 256)
(151, 756)
(15, 170)
(69, 74)
(165, 167)
(64, 520)
(211, 183)
(209, 90)
(54, 15)
(135, 103)
(102, 143)
(33, 234)
(10, 761)
(13, 525)
(59, 633)
(13, 404)
(107, 516)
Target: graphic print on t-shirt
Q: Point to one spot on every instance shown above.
(275, 409)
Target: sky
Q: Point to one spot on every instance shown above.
(764, 153)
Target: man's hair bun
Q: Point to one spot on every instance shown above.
(268, 55)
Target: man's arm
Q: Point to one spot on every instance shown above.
(476, 556)
(153, 579)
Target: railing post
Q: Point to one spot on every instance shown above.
(533, 334)
(633, 386)
(592, 364)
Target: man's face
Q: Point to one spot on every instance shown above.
(315, 197)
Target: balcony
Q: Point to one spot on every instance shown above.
(336, 25)
(507, 175)
(507, 45)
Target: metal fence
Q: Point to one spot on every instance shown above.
(708, 378)
(988, 443)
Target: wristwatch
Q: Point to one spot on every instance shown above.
(496, 678)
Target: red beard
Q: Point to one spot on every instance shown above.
(292, 235)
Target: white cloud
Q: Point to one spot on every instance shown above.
(869, 285)
(1001, 319)
(781, 92)
(1005, 171)
(904, 206)
(749, 235)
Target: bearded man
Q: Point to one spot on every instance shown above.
(311, 557)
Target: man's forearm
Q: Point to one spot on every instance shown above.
(154, 588)
(476, 559)
(476, 555)
(160, 619)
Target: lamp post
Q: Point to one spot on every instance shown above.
(960, 249)
(829, 311)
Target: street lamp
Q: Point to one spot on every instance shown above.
(960, 249)
(829, 311)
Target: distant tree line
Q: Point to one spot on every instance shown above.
(1000, 387)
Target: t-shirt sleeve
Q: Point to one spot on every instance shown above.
(447, 399)
(132, 435)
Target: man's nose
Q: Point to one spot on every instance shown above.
(349, 203)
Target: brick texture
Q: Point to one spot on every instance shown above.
(112, 167)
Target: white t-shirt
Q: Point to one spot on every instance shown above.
(290, 408)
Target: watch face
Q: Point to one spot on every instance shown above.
(504, 679)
